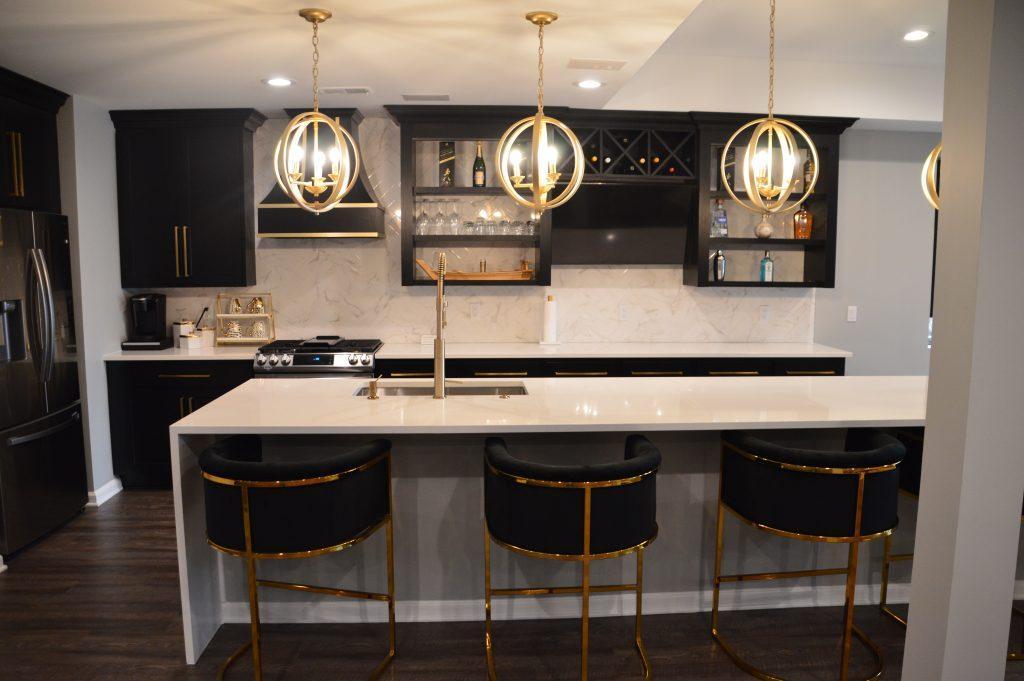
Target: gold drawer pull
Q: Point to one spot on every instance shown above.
(411, 374)
(568, 374)
(824, 372)
(734, 373)
(656, 373)
(183, 375)
(497, 374)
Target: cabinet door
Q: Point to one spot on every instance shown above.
(149, 170)
(219, 238)
(150, 410)
(29, 177)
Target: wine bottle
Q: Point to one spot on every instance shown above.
(479, 169)
(767, 267)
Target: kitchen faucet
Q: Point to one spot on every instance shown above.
(442, 321)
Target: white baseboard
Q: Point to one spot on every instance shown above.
(105, 493)
(556, 607)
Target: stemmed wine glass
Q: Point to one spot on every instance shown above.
(454, 221)
(422, 220)
(439, 221)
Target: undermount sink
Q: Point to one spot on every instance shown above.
(452, 389)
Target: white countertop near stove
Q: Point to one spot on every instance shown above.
(464, 350)
(329, 406)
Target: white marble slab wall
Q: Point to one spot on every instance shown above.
(353, 287)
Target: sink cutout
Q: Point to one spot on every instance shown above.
(452, 389)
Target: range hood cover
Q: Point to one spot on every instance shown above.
(359, 215)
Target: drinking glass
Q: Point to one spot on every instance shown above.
(422, 221)
(453, 218)
(439, 220)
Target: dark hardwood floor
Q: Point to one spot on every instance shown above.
(98, 600)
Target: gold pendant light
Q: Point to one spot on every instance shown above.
(316, 160)
(930, 176)
(541, 173)
(770, 158)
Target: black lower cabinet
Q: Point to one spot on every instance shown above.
(147, 397)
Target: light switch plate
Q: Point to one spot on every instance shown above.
(851, 313)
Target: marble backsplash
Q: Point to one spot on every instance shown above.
(353, 287)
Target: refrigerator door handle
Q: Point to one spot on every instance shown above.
(7, 309)
(51, 316)
(45, 432)
(37, 321)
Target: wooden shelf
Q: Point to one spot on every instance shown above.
(485, 282)
(737, 243)
(458, 191)
(765, 284)
(722, 194)
(475, 239)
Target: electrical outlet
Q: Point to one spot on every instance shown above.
(851, 313)
(623, 312)
(766, 312)
(474, 309)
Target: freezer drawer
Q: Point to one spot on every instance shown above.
(42, 477)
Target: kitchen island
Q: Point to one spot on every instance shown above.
(437, 465)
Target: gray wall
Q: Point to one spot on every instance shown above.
(89, 199)
(884, 258)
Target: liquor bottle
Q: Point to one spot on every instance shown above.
(767, 267)
(446, 163)
(730, 169)
(719, 221)
(803, 223)
(808, 171)
(718, 263)
(479, 169)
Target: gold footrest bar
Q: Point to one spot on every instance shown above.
(555, 590)
(888, 612)
(762, 576)
(329, 591)
(894, 557)
(231, 660)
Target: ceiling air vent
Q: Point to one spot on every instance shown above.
(596, 64)
(345, 90)
(426, 98)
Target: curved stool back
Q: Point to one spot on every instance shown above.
(257, 509)
(847, 496)
(570, 513)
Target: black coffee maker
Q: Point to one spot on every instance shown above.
(147, 322)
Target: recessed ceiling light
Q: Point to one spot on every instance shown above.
(278, 81)
(915, 35)
(589, 84)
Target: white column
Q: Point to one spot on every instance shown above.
(973, 478)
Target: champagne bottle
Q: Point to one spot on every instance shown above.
(479, 169)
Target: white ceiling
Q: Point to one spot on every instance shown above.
(208, 53)
(835, 57)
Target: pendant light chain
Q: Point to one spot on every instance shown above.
(540, 69)
(771, 60)
(316, 66)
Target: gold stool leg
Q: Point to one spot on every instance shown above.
(254, 629)
(716, 585)
(639, 612)
(585, 633)
(487, 604)
(851, 590)
(389, 538)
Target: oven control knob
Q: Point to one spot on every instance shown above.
(364, 359)
(261, 359)
(273, 360)
(286, 360)
(353, 359)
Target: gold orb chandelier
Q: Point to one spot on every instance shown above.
(769, 159)
(541, 174)
(316, 160)
(930, 176)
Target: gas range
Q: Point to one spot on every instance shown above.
(319, 355)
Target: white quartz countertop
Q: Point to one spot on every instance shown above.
(463, 350)
(329, 406)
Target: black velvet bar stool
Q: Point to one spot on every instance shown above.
(257, 509)
(570, 513)
(910, 486)
(847, 497)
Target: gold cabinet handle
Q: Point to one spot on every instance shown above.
(411, 374)
(181, 407)
(657, 373)
(21, 167)
(191, 407)
(497, 374)
(824, 372)
(568, 374)
(12, 138)
(734, 373)
(183, 375)
(177, 254)
(184, 247)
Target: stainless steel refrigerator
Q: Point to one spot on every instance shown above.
(42, 452)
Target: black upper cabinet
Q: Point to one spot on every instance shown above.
(29, 173)
(185, 197)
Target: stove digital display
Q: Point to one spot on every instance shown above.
(313, 360)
